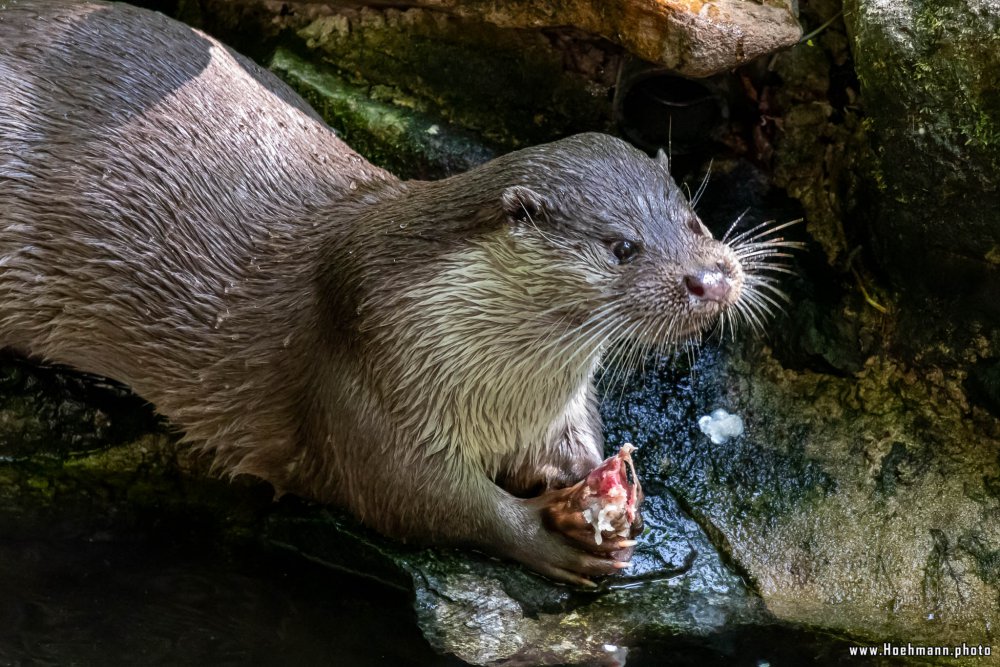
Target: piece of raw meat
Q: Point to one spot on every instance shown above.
(609, 499)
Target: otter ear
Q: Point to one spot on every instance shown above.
(662, 159)
(521, 204)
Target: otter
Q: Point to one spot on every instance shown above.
(422, 353)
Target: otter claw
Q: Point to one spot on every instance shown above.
(566, 576)
(626, 544)
(622, 566)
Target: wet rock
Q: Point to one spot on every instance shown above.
(854, 504)
(929, 74)
(498, 614)
(857, 500)
(549, 70)
(45, 409)
(489, 612)
(693, 39)
(527, 87)
(860, 501)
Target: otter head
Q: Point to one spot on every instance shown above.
(642, 266)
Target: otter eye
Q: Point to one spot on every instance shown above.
(625, 251)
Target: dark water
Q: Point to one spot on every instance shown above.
(138, 602)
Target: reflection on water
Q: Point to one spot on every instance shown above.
(135, 602)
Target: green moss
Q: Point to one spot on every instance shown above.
(955, 60)
(406, 142)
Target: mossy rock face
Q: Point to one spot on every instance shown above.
(43, 410)
(517, 91)
(930, 77)
(409, 143)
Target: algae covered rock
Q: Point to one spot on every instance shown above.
(930, 79)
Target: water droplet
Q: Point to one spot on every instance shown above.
(353, 185)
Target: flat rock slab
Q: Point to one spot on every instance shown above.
(691, 37)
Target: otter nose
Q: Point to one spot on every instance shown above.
(708, 285)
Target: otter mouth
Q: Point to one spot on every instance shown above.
(690, 330)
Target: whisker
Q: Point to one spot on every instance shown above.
(779, 242)
(600, 333)
(756, 298)
(774, 244)
(663, 333)
(778, 228)
(719, 329)
(766, 282)
(736, 313)
(595, 315)
(765, 230)
(761, 279)
(746, 309)
(736, 222)
(614, 358)
(764, 239)
(704, 184)
(617, 360)
(763, 251)
(744, 234)
(780, 306)
(761, 231)
(780, 268)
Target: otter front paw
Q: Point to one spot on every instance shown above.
(596, 519)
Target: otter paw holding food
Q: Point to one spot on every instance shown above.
(611, 499)
(599, 514)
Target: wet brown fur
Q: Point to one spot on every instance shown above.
(174, 217)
